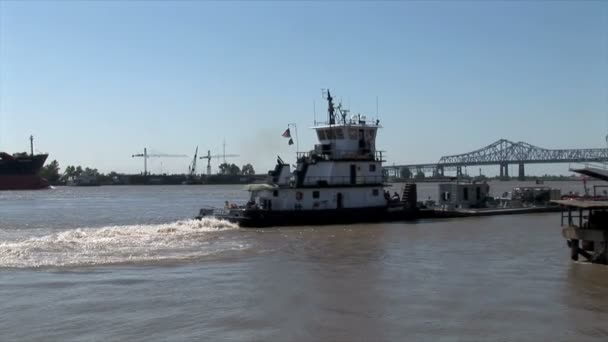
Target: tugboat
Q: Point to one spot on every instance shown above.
(340, 181)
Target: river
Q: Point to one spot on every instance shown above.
(126, 263)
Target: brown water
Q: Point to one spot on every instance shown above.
(124, 263)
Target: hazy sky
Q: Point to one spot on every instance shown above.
(95, 82)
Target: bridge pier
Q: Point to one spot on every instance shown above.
(440, 170)
(504, 171)
(521, 175)
(458, 171)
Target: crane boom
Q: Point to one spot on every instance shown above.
(193, 166)
(145, 155)
(218, 156)
(159, 155)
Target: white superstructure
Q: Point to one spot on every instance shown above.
(344, 170)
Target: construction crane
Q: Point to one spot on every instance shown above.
(145, 155)
(218, 156)
(192, 167)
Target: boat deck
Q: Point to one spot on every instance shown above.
(438, 213)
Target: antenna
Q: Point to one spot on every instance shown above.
(343, 113)
(314, 111)
(377, 117)
(32, 144)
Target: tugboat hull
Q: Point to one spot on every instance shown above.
(270, 218)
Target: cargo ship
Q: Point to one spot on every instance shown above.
(21, 171)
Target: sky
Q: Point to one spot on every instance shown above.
(96, 82)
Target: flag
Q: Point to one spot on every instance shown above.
(290, 141)
(286, 134)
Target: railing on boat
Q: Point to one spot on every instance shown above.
(342, 180)
(341, 154)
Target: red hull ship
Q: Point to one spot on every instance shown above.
(21, 171)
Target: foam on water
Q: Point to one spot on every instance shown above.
(121, 244)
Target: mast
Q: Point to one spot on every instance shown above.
(377, 115)
(31, 145)
(331, 109)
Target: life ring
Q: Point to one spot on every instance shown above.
(299, 195)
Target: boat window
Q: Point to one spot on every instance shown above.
(321, 135)
(370, 134)
(375, 192)
(478, 190)
(465, 194)
(330, 134)
(339, 133)
(315, 194)
(372, 167)
(275, 193)
(352, 133)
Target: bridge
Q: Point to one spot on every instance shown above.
(504, 153)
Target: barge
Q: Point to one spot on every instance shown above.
(467, 199)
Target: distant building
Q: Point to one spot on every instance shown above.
(463, 195)
(83, 180)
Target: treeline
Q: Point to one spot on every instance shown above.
(52, 172)
(233, 170)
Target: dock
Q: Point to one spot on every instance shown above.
(585, 227)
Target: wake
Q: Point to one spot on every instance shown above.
(179, 240)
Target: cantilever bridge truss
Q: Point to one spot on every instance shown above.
(504, 152)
